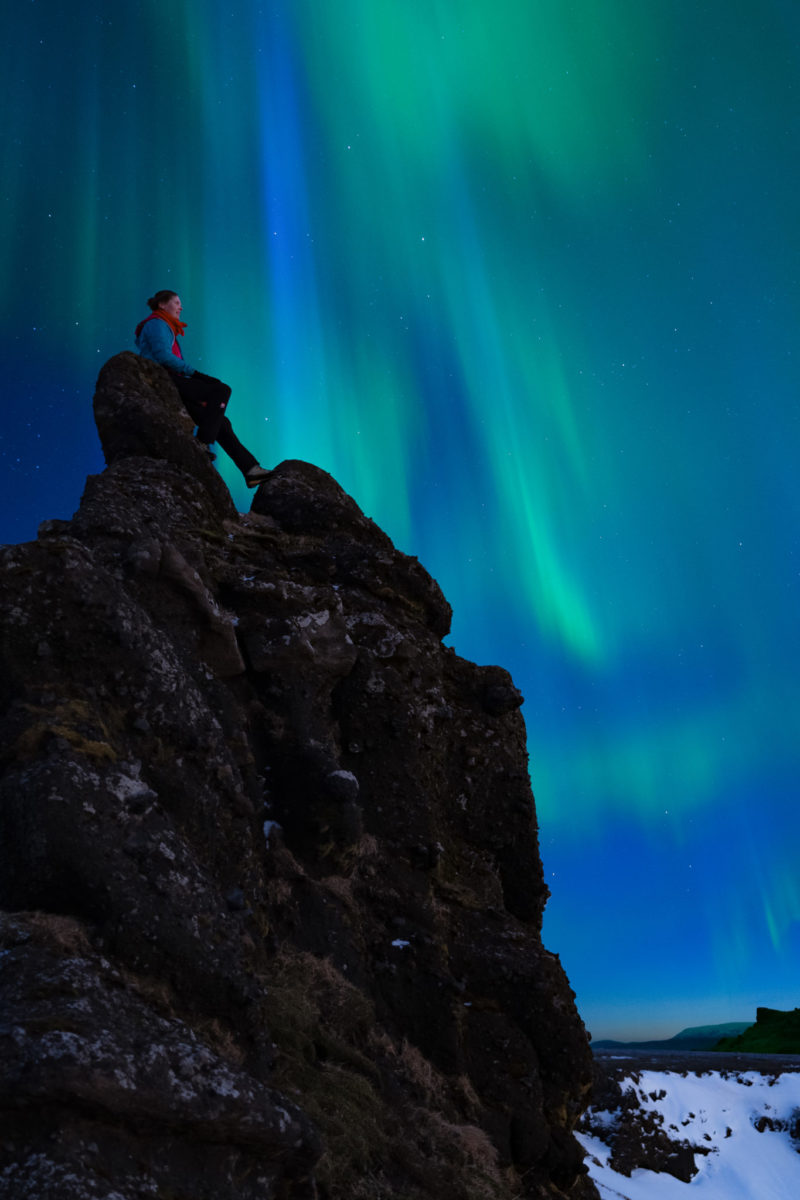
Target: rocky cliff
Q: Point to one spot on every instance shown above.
(269, 869)
(775, 1032)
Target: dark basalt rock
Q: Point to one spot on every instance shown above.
(268, 856)
(344, 546)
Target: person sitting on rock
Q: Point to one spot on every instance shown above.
(204, 397)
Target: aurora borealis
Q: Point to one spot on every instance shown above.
(523, 276)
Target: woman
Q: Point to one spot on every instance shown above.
(204, 397)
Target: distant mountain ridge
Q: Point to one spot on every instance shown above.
(696, 1037)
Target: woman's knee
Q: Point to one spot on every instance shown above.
(211, 386)
(222, 393)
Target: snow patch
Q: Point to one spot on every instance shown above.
(269, 828)
(720, 1112)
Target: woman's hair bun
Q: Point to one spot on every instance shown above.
(160, 298)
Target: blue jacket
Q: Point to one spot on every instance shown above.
(154, 340)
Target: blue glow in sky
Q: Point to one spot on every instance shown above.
(523, 275)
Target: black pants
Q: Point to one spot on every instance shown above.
(205, 399)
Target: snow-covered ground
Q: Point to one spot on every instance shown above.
(719, 1112)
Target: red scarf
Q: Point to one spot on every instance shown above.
(175, 325)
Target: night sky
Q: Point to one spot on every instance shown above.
(523, 275)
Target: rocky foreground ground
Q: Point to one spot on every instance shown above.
(637, 1136)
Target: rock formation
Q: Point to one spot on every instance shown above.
(269, 869)
(775, 1032)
